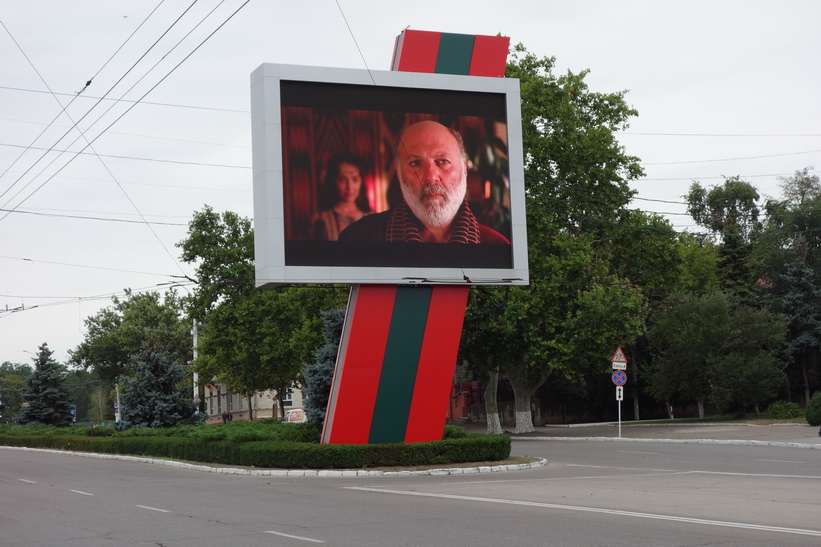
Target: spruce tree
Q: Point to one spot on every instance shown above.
(319, 374)
(46, 401)
(154, 396)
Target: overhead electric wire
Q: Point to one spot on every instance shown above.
(124, 100)
(82, 217)
(90, 143)
(120, 157)
(732, 159)
(88, 112)
(76, 154)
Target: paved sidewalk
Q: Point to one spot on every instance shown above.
(776, 433)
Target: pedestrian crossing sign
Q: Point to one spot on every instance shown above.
(619, 357)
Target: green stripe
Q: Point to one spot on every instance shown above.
(404, 345)
(455, 52)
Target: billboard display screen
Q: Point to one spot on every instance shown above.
(386, 177)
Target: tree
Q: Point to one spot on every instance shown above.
(576, 181)
(154, 396)
(222, 246)
(46, 399)
(793, 227)
(801, 305)
(699, 265)
(255, 343)
(251, 340)
(730, 211)
(709, 348)
(12, 384)
(118, 333)
(319, 374)
(747, 372)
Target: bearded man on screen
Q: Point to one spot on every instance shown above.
(431, 164)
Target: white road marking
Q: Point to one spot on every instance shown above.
(81, 492)
(294, 537)
(28, 481)
(696, 472)
(688, 520)
(779, 461)
(638, 452)
(152, 508)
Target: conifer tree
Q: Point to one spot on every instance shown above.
(46, 401)
(319, 374)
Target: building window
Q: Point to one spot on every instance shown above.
(219, 402)
(288, 398)
(229, 402)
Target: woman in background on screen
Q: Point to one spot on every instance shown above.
(343, 197)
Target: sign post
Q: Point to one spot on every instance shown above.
(619, 378)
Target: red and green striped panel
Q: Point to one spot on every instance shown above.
(446, 53)
(395, 365)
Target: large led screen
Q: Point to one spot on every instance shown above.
(386, 177)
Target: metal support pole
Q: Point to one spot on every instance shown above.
(118, 414)
(193, 362)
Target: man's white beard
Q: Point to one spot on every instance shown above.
(438, 212)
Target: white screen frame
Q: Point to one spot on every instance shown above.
(269, 218)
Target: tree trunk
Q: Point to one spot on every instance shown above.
(634, 372)
(806, 384)
(250, 405)
(700, 410)
(669, 409)
(521, 396)
(494, 426)
(524, 383)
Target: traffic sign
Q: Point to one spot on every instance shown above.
(619, 366)
(619, 357)
(619, 377)
(619, 393)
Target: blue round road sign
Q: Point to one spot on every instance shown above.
(619, 377)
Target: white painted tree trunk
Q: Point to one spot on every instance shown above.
(494, 425)
(524, 422)
(701, 410)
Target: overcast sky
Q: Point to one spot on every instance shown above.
(722, 88)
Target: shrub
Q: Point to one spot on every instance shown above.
(783, 410)
(269, 453)
(454, 432)
(813, 410)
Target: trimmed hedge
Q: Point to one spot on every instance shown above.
(278, 454)
(813, 410)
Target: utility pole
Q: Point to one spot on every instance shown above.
(193, 362)
(118, 411)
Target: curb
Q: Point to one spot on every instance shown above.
(291, 472)
(737, 442)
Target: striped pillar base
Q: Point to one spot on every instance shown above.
(395, 364)
(446, 53)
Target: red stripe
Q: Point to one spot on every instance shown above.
(418, 50)
(437, 362)
(489, 56)
(361, 365)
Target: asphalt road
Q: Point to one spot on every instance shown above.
(588, 493)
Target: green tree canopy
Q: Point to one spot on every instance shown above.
(731, 212)
(576, 180)
(222, 247)
(46, 399)
(155, 395)
(801, 305)
(118, 333)
(251, 340)
(710, 349)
